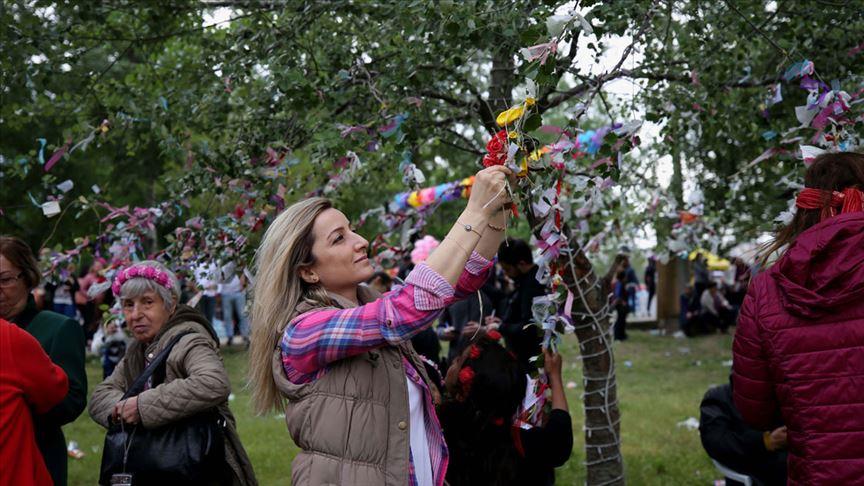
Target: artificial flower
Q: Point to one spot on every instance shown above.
(493, 335)
(466, 376)
(497, 148)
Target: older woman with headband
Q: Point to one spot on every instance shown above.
(359, 403)
(194, 381)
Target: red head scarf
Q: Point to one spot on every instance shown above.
(848, 201)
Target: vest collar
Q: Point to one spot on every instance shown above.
(365, 294)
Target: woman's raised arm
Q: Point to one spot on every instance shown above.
(472, 230)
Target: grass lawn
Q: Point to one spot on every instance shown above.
(662, 386)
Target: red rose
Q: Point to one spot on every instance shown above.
(497, 148)
(466, 376)
(493, 335)
(498, 143)
(489, 160)
(474, 352)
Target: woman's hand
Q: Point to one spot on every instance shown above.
(127, 411)
(492, 322)
(775, 439)
(489, 194)
(470, 328)
(552, 363)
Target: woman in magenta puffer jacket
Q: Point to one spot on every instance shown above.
(799, 346)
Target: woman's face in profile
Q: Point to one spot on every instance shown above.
(340, 253)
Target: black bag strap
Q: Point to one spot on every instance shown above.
(158, 364)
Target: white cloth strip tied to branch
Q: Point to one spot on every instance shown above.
(611, 481)
(604, 427)
(602, 460)
(594, 355)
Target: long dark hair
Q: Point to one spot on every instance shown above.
(478, 417)
(831, 172)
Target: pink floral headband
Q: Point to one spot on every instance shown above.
(140, 271)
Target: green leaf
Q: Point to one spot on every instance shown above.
(533, 122)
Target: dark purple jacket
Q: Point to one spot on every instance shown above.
(799, 352)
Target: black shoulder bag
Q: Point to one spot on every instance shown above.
(191, 450)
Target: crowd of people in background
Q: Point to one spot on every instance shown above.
(712, 301)
(502, 305)
(323, 318)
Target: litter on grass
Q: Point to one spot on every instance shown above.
(692, 423)
(73, 450)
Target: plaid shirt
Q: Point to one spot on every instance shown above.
(319, 337)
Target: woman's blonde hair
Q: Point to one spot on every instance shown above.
(278, 288)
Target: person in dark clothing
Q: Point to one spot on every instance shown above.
(740, 283)
(701, 277)
(651, 281)
(516, 260)
(63, 292)
(730, 441)
(621, 307)
(485, 387)
(496, 289)
(715, 311)
(689, 317)
(631, 284)
(459, 315)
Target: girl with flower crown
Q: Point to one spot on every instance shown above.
(485, 388)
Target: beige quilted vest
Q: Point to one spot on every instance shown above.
(352, 423)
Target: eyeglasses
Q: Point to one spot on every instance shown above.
(10, 281)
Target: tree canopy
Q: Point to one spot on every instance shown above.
(212, 126)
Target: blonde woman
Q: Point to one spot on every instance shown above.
(359, 403)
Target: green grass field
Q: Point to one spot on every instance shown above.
(663, 386)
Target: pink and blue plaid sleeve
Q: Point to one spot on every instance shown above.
(477, 271)
(317, 338)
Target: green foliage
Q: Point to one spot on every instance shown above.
(708, 68)
(193, 109)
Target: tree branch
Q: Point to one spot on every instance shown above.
(602, 79)
(443, 97)
(757, 29)
(463, 148)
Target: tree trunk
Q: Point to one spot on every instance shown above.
(501, 89)
(672, 275)
(591, 318)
